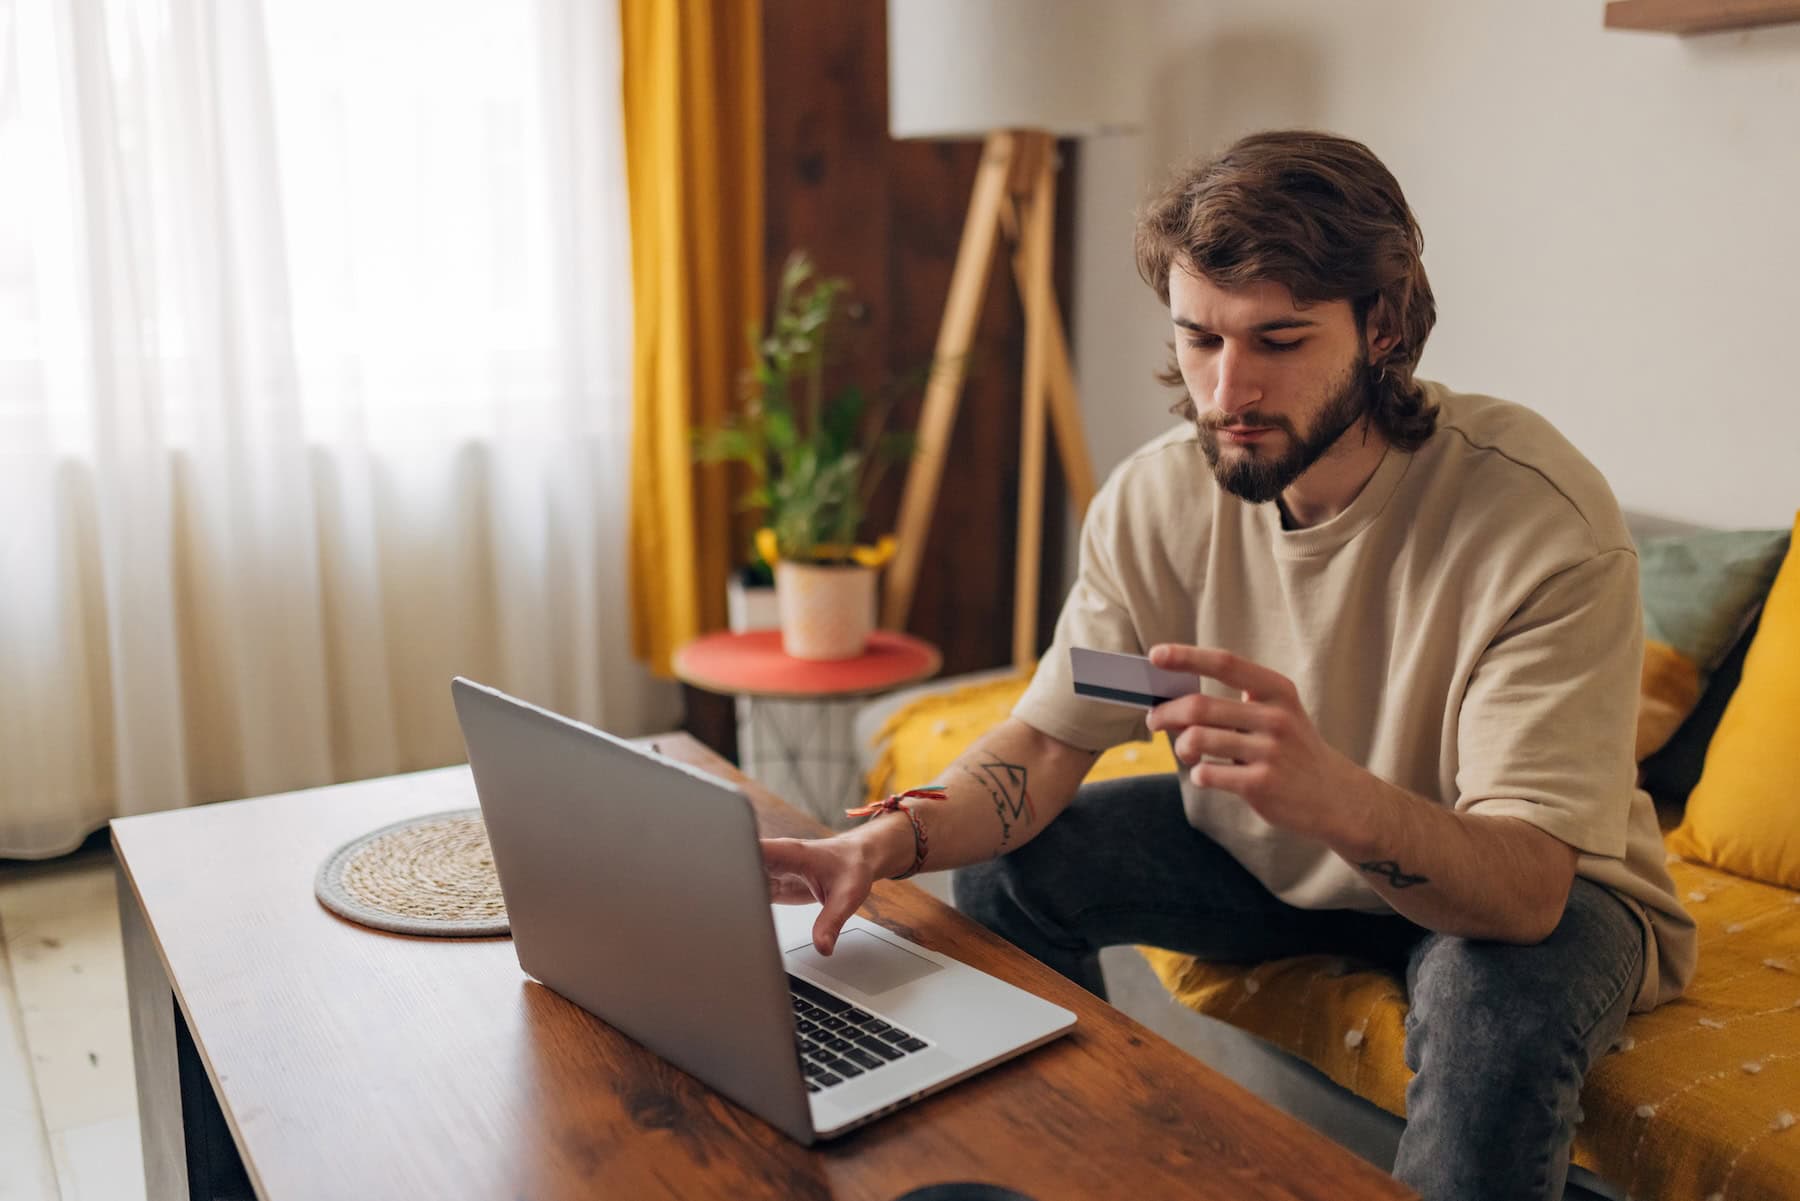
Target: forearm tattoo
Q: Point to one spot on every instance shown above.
(1005, 783)
(1391, 871)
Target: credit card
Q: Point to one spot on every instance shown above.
(1127, 679)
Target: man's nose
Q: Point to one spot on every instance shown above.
(1236, 387)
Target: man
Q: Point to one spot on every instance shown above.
(1415, 615)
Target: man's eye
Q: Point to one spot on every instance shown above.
(1211, 342)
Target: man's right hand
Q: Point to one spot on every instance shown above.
(985, 811)
(836, 872)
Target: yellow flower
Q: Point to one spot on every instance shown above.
(766, 546)
(867, 556)
(874, 556)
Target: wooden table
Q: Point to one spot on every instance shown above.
(307, 1057)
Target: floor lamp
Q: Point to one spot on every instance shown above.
(1019, 74)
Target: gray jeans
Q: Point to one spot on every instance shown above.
(1500, 1036)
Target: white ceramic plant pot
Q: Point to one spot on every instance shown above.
(748, 608)
(826, 612)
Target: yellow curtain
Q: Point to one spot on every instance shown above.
(693, 148)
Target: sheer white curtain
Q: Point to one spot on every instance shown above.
(314, 391)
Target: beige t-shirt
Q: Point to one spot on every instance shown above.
(1468, 629)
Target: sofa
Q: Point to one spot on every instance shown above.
(1698, 1099)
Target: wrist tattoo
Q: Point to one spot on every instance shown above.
(1391, 871)
(1005, 783)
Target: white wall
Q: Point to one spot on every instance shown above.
(1612, 220)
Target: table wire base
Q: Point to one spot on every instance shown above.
(804, 752)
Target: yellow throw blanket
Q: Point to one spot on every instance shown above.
(1699, 1101)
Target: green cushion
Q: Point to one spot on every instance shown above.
(1699, 589)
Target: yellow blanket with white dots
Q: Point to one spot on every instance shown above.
(1698, 1100)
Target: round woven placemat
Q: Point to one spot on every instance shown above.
(431, 875)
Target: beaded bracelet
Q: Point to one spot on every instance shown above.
(897, 802)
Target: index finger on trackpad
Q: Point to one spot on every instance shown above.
(865, 962)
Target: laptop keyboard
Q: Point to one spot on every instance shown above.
(840, 1042)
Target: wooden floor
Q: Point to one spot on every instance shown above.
(68, 1101)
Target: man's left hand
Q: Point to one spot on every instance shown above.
(1277, 761)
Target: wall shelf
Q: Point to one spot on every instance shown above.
(1698, 16)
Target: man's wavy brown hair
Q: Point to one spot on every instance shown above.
(1320, 215)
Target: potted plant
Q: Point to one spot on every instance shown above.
(815, 455)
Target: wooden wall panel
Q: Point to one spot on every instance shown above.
(889, 215)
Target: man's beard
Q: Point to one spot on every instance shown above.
(1256, 477)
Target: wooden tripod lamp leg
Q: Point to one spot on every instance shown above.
(1035, 230)
(1065, 407)
(968, 285)
(1065, 419)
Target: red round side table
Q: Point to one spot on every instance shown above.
(800, 711)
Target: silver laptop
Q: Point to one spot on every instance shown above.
(635, 888)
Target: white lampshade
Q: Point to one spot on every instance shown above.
(964, 68)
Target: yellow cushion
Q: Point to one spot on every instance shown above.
(1669, 691)
(1744, 814)
(922, 739)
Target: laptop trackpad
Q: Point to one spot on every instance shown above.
(864, 962)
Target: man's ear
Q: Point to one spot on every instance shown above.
(1378, 332)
